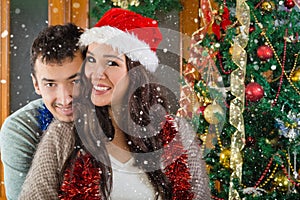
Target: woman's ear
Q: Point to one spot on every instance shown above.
(35, 84)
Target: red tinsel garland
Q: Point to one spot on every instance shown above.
(178, 171)
(82, 179)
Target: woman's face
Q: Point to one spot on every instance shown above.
(106, 69)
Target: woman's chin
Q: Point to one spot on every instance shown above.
(100, 102)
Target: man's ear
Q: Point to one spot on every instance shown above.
(35, 84)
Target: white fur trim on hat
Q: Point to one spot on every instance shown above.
(124, 42)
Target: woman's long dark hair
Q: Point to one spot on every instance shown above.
(143, 93)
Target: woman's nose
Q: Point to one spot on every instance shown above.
(99, 73)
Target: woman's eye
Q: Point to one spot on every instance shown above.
(112, 63)
(91, 59)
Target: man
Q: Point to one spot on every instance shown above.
(55, 63)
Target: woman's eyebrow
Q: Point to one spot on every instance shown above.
(89, 52)
(112, 56)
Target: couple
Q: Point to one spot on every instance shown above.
(122, 143)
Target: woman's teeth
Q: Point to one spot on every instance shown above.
(100, 88)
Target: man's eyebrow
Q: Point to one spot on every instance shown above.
(69, 78)
(74, 76)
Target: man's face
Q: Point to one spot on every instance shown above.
(55, 82)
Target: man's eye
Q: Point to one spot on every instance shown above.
(50, 84)
(76, 81)
(91, 59)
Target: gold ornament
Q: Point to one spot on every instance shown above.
(231, 50)
(116, 2)
(207, 101)
(273, 140)
(225, 158)
(296, 76)
(213, 113)
(281, 182)
(268, 6)
(124, 3)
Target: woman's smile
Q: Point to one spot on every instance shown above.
(100, 89)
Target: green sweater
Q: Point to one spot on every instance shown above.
(19, 136)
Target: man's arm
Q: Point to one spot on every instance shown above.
(42, 181)
(19, 136)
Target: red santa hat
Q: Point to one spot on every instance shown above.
(128, 32)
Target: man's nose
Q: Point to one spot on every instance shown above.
(65, 95)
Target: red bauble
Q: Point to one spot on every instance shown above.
(201, 110)
(251, 28)
(250, 141)
(254, 92)
(289, 4)
(264, 52)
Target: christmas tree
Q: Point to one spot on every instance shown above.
(241, 91)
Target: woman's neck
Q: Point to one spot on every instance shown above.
(118, 147)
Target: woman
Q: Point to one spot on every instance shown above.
(127, 146)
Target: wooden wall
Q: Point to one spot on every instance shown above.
(189, 22)
(60, 12)
(4, 74)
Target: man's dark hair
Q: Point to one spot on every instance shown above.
(56, 43)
